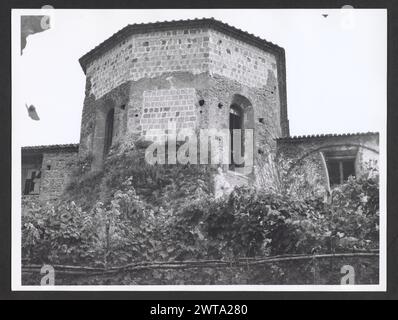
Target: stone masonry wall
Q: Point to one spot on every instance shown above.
(237, 60)
(185, 99)
(195, 50)
(187, 77)
(149, 55)
(57, 168)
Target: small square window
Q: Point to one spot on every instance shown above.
(340, 162)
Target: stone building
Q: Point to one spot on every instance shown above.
(46, 170)
(197, 74)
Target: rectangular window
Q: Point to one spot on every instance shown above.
(340, 169)
(32, 163)
(32, 183)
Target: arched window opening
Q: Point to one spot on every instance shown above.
(109, 130)
(241, 126)
(236, 132)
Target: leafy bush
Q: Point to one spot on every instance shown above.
(159, 185)
(168, 213)
(58, 234)
(250, 223)
(246, 223)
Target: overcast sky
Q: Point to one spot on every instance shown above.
(336, 67)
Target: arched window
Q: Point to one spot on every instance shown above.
(241, 126)
(109, 130)
(236, 133)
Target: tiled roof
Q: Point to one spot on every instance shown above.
(53, 147)
(174, 24)
(324, 136)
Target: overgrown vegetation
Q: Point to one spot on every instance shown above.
(158, 185)
(134, 212)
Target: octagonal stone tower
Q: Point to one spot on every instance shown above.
(196, 73)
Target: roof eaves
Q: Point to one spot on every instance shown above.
(55, 147)
(323, 136)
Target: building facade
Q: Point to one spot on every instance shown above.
(46, 170)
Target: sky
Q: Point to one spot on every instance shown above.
(336, 66)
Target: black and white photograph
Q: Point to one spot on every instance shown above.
(199, 149)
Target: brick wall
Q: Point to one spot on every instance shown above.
(168, 109)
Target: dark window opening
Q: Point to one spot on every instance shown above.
(109, 131)
(340, 170)
(32, 183)
(235, 122)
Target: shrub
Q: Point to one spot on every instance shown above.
(159, 185)
(251, 223)
(135, 212)
(58, 233)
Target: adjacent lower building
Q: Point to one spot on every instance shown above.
(46, 170)
(329, 160)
